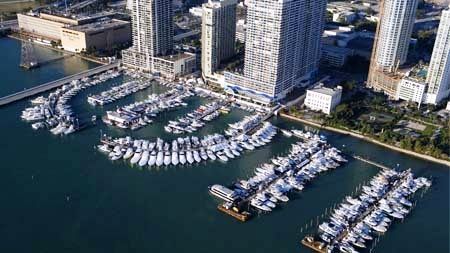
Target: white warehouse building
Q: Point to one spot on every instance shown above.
(323, 99)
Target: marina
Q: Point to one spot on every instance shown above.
(358, 220)
(61, 197)
(54, 113)
(181, 151)
(196, 119)
(54, 84)
(273, 181)
(118, 92)
(138, 114)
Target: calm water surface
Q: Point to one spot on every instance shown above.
(14, 79)
(60, 195)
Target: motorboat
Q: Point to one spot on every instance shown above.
(136, 157)
(175, 160)
(160, 158)
(144, 159)
(189, 157)
(128, 154)
(182, 158)
(167, 158)
(152, 159)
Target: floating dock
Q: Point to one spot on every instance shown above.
(314, 245)
(234, 212)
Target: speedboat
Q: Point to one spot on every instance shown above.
(286, 133)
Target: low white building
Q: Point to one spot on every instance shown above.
(411, 89)
(323, 99)
(174, 66)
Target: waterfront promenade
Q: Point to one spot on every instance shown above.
(360, 136)
(55, 84)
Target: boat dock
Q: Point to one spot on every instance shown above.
(317, 246)
(320, 246)
(242, 216)
(55, 84)
(366, 160)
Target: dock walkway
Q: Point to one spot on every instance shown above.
(55, 84)
(379, 165)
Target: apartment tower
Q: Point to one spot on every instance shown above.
(218, 33)
(282, 47)
(391, 44)
(438, 77)
(152, 31)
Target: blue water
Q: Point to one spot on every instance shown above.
(14, 79)
(58, 194)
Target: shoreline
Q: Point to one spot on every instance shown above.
(368, 139)
(12, 36)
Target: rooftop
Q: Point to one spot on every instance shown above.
(326, 90)
(175, 57)
(418, 73)
(105, 24)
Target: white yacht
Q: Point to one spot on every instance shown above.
(175, 160)
(223, 192)
(197, 157)
(160, 158)
(203, 154)
(182, 158)
(128, 154)
(136, 157)
(286, 133)
(144, 158)
(167, 158)
(152, 159)
(222, 156)
(211, 155)
(189, 157)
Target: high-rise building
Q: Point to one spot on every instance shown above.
(438, 78)
(218, 33)
(391, 44)
(152, 30)
(282, 47)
